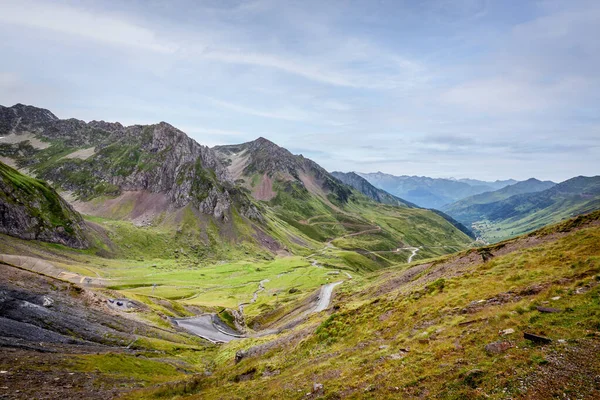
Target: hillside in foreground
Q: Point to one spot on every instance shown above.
(31, 209)
(515, 320)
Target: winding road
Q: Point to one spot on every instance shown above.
(325, 296)
(414, 253)
(204, 327)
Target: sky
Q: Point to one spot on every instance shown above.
(485, 89)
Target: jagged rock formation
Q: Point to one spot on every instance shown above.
(31, 209)
(156, 158)
(260, 164)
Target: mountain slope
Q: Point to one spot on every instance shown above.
(260, 164)
(381, 196)
(301, 193)
(456, 328)
(526, 212)
(363, 186)
(255, 193)
(429, 192)
(31, 209)
(532, 185)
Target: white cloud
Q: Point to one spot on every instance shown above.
(281, 113)
(67, 20)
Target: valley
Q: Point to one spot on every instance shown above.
(138, 263)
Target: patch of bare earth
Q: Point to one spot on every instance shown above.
(572, 371)
(239, 161)
(45, 375)
(264, 190)
(82, 154)
(140, 206)
(25, 137)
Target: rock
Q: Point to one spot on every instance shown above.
(508, 331)
(239, 356)
(397, 356)
(498, 347)
(556, 298)
(317, 388)
(548, 310)
(536, 338)
(531, 290)
(47, 301)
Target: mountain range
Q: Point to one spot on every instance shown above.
(255, 193)
(526, 206)
(431, 192)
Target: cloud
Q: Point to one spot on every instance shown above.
(283, 114)
(438, 87)
(87, 25)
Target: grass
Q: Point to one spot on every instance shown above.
(416, 341)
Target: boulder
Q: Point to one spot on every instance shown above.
(498, 347)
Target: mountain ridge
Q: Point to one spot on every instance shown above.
(429, 192)
(522, 213)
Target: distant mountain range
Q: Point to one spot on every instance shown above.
(381, 196)
(526, 206)
(463, 208)
(431, 192)
(363, 186)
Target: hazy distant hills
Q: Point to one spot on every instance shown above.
(366, 188)
(463, 208)
(526, 206)
(431, 192)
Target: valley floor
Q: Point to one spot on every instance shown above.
(455, 326)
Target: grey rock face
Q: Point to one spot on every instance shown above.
(156, 158)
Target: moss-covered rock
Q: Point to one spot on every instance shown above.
(31, 209)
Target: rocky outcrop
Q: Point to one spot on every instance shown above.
(155, 158)
(264, 157)
(31, 209)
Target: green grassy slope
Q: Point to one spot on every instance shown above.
(31, 209)
(422, 331)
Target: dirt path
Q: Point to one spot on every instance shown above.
(329, 244)
(414, 253)
(261, 288)
(46, 268)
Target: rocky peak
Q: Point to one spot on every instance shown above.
(156, 158)
(21, 117)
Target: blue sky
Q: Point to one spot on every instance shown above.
(462, 88)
